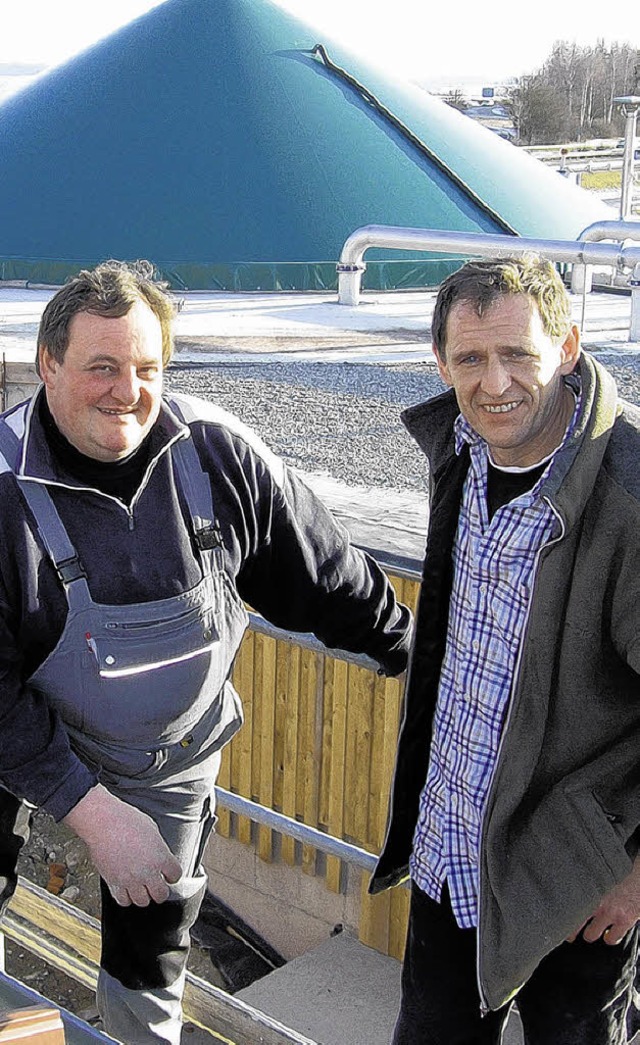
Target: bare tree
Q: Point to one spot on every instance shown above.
(456, 99)
(571, 95)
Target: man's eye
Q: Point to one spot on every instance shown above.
(148, 372)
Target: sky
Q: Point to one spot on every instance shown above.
(419, 39)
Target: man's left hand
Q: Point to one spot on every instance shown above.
(617, 912)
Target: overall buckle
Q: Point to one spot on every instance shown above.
(70, 570)
(209, 537)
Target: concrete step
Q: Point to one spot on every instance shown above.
(339, 992)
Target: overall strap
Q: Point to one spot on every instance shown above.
(50, 526)
(196, 487)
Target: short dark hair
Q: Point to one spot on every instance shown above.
(111, 289)
(480, 283)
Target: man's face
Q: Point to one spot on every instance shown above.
(105, 395)
(508, 377)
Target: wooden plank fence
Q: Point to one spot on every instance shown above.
(318, 745)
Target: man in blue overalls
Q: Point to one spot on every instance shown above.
(135, 527)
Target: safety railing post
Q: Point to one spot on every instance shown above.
(634, 328)
(349, 283)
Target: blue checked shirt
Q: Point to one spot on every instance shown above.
(494, 564)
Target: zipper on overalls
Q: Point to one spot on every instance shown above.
(484, 1007)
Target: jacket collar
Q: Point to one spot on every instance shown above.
(571, 479)
(37, 462)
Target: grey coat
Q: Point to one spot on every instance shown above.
(561, 823)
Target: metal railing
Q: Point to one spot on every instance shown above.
(575, 252)
(286, 825)
(618, 231)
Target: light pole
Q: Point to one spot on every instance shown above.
(629, 106)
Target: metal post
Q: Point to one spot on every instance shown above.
(629, 106)
(349, 282)
(634, 283)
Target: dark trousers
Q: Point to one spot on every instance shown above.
(580, 994)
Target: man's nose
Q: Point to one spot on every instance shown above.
(126, 387)
(496, 378)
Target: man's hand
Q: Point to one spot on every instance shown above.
(618, 912)
(126, 848)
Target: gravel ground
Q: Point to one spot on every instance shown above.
(342, 419)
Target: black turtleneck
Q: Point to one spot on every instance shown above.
(503, 487)
(119, 478)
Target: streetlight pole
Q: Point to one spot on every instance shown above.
(629, 106)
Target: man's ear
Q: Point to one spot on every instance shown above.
(570, 350)
(443, 369)
(47, 365)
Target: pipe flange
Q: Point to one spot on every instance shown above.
(342, 267)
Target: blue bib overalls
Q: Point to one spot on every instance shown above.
(143, 690)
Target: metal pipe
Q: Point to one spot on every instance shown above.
(352, 854)
(581, 281)
(583, 252)
(629, 106)
(634, 330)
(616, 230)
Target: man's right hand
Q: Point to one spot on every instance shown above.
(126, 848)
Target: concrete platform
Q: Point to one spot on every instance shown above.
(214, 327)
(340, 992)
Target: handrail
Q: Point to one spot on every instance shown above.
(352, 854)
(581, 252)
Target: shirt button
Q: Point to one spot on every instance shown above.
(475, 644)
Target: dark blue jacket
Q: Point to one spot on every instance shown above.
(283, 550)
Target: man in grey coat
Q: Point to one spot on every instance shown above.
(516, 799)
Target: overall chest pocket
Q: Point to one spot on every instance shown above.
(129, 646)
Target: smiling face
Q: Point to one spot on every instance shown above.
(507, 374)
(105, 395)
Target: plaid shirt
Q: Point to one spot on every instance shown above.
(494, 567)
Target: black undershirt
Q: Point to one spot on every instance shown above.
(119, 479)
(503, 487)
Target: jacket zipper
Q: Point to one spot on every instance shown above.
(484, 1007)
